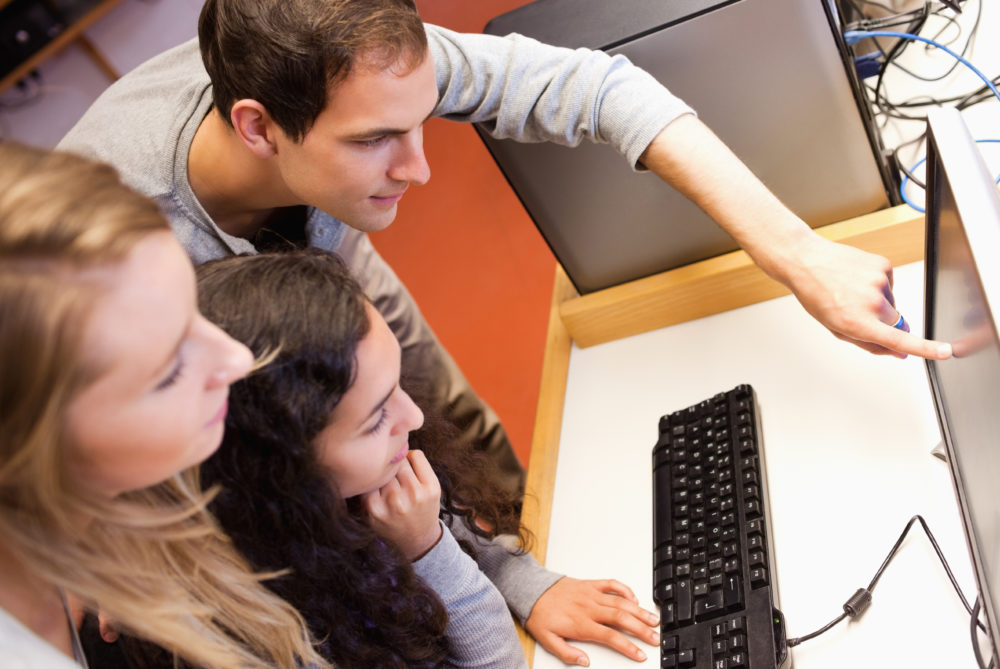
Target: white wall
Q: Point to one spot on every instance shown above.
(129, 34)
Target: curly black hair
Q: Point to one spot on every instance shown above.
(358, 593)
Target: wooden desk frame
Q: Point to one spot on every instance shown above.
(72, 33)
(711, 286)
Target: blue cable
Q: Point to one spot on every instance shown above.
(854, 36)
(906, 178)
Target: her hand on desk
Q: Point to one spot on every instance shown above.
(598, 611)
(849, 291)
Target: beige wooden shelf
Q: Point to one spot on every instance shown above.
(724, 282)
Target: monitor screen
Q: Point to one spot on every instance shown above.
(962, 285)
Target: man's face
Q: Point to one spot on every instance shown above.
(366, 147)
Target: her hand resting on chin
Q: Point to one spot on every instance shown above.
(405, 510)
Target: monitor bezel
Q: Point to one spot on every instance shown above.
(954, 162)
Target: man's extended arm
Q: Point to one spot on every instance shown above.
(527, 91)
(848, 290)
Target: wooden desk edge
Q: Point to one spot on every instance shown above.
(698, 290)
(540, 483)
(724, 282)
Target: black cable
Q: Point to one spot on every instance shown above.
(887, 109)
(909, 175)
(896, 50)
(974, 631)
(961, 101)
(873, 4)
(861, 599)
(951, 20)
(890, 58)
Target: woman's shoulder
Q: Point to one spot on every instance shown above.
(21, 648)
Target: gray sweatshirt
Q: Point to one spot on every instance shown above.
(480, 630)
(144, 123)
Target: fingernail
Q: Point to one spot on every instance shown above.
(652, 618)
(640, 655)
(945, 351)
(583, 661)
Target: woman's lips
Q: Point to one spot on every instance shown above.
(220, 415)
(402, 453)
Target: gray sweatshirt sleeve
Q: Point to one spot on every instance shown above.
(522, 89)
(480, 630)
(518, 576)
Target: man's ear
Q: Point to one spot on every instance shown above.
(254, 127)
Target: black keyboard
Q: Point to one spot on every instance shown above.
(713, 575)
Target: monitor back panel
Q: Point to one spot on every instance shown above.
(768, 76)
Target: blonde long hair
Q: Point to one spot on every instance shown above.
(153, 559)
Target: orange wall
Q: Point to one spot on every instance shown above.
(472, 258)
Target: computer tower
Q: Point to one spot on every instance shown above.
(773, 78)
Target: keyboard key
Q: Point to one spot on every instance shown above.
(708, 607)
(683, 600)
(663, 593)
(732, 592)
(668, 617)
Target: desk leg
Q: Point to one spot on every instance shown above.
(97, 57)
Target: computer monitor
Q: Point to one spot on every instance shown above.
(772, 78)
(962, 293)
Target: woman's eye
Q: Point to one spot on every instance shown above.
(172, 377)
(381, 421)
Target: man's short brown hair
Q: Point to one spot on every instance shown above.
(287, 54)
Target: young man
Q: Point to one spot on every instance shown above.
(299, 122)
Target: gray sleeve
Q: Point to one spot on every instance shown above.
(522, 89)
(518, 576)
(480, 631)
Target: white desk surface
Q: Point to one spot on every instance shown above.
(848, 437)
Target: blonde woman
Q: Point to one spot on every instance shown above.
(112, 382)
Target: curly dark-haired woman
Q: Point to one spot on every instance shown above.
(318, 477)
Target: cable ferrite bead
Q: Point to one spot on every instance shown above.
(858, 603)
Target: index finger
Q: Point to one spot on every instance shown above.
(421, 467)
(900, 341)
(612, 586)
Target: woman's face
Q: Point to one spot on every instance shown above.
(368, 435)
(158, 403)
